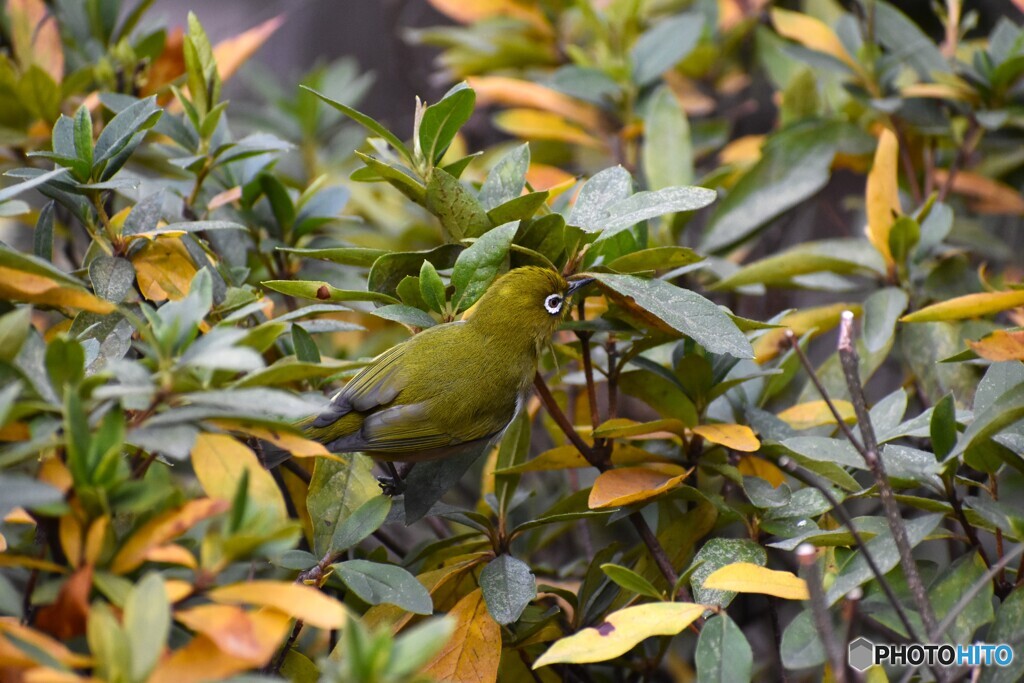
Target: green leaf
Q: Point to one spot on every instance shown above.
(600, 192)
(280, 202)
(432, 288)
(40, 179)
(661, 393)
(441, 121)
(655, 258)
(630, 580)
(14, 328)
(508, 586)
(643, 205)
(794, 165)
(723, 653)
(19, 490)
(881, 311)
(943, 427)
(83, 136)
(681, 310)
(417, 645)
(1009, 628)
(885, 554)
(336, 491)
(365, 121)
(112, 277)
(715, 554)
(667, 150)
(520, 208)
(400, 178)
(145, 215)
(366, 519)
(347, 256)
(321, 291)
(664, 44)
(201, 67)
(478, 266)
(958, 578)
(837, 256)
(407, 315)
(42, 239)
(147, 623)
(507, 179)
(801, 647)
(377, 583)
(306, 350)
(460, 212)
(390, 269)
(904, 235)
(906, 42)
(123, 134)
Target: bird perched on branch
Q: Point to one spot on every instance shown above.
(452, 387)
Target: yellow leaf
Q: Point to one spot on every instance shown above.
(295, 444)
(12, 655)
(941, 91)
(620, 631)
(1000, 345)
(818, 319)
(56, 474)
(623, 427)
(204, 660)
(969, 306)
(69, 531)
(745, 577)
(515, 92)
(3, 543)
(220, 460)
(161, 529)
(172, 554)
(296, 600)
(531, 124)
(94, 539)
(882, 195)
(743, 151)
(42, 674)
(35, 36)
(8, 560)
(988, 195)
(19, 515)
(628, 485)
(17, 285)
(177, 589)
(163, 269)
(567, 457)
(245, 635)
(813, 34)
(736, 437)
(756, 467)
(816, 414)
(478, 10)
(473, 652)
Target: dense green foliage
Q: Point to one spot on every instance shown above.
(181, 281)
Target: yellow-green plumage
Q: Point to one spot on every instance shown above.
(453, 386)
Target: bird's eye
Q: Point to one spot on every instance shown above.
(553, 304)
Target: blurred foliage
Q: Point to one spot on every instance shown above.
(181, 280)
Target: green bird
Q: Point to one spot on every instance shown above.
(452, 387)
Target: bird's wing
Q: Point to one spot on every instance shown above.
(376, 385)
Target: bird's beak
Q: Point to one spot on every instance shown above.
(578, 284)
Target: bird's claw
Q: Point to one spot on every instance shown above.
(391, 486)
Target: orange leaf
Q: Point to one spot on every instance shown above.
(35, 36)
(161, 529)
(742, 151)
(65, 618)
(177, 589)
(233, 52)
(882, 195)
(514, 92)
(478, 10)
(756, 467)
(473, 652)
(163, 269)
(745, 577)
(1000, 345)
(15, 431)
(816, 414)
(990, 196)
(13, 655)
(237, 632)
(550, 178)
(294, 599)
(628, 485)
(203, 660)
(532, 124)
(736, 437)
(18, 285)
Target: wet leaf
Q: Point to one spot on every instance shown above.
(508, 586)
(744, 577)
(378, 583)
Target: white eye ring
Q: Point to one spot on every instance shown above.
(553, 304)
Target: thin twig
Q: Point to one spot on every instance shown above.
(972, 533)
(850, 363)
(807, 554)
(563, 422)
(971, 139)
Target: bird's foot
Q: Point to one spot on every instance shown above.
(391, 486)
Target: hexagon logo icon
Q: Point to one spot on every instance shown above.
(862, 654)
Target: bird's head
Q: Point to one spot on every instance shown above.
(531, 301)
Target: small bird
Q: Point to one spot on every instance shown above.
(451, 387)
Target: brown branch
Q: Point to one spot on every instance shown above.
(971, 139)
(807, 554)
(850, 364)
